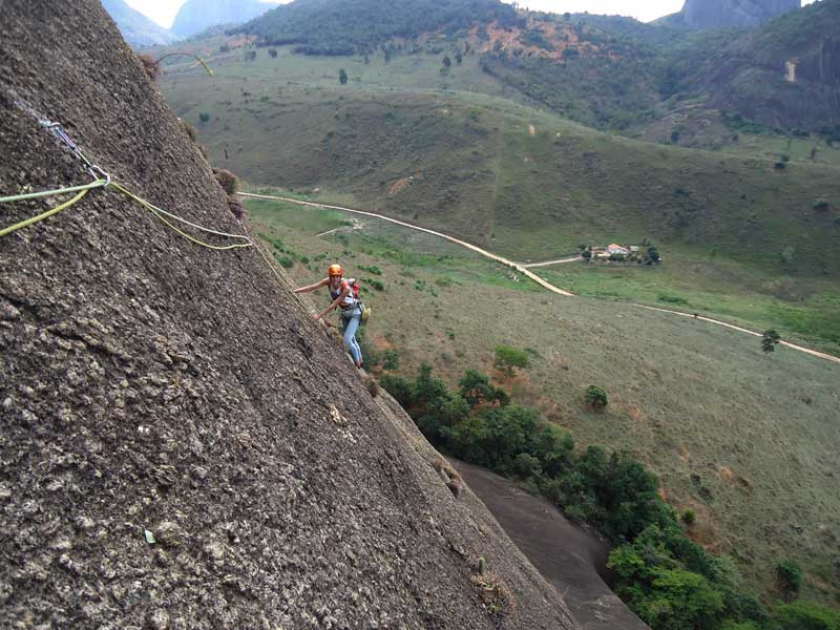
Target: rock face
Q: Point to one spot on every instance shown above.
(743, 13)
(181, 445)
(198, 15)
(136, 28)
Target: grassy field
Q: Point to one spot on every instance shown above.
(745, 439)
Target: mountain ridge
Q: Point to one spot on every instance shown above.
(195, 16)
(136, 28)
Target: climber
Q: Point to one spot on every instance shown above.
(344, 296)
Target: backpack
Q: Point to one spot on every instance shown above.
(357, 289)
(355, 286)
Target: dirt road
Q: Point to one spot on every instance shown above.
(559, 261)
(571, 559)
(452, 239)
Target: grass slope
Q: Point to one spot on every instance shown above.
(746, 440)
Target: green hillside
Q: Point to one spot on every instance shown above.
(339, 27)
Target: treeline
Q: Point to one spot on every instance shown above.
(343, 27)
(665, 577)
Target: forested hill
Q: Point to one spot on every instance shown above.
(344, 27)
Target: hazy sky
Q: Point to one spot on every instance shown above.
(163, 11)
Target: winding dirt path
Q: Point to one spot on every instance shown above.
(499, 259)
(559, 261)
(526, 272)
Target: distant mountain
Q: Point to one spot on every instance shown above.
(136, 28)
(198, 15)
(702, 14)
(785, 74)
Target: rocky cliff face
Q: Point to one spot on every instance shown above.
(149, 385)
(741, 13)
(198, 15)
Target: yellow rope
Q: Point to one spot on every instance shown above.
(162, 214)
(44, 215)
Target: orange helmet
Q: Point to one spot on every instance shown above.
(335, 270)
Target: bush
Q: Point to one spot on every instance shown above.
(689, 517)
(390, 360)
(789, 578)
(151, 67)
(227, 180)
(507, 359)
(769, 340)
(822, 206)
(376, 284)
(596, 397)
(806, 615)
(204, 117)
(272, 52)
(285, 261)
(398, 387)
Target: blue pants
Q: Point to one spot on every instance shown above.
(351, 319)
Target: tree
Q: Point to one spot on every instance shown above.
(342, 76)
(475, 388)
(806, 615)
(597, 397)
(680, 600)
(272, 52)
(769, 340)
(508, 358)
(789, 578)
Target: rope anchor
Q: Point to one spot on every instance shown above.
(101, 179)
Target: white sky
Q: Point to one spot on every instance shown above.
(163, 11)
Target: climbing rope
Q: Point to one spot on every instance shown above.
(105, 182)
(186, 54)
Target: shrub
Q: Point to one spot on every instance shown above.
(507, 359)
(821, 206)
(151, 67)
(376, 284)
(390, 360)
(285, 261)
(806, 615)
(272, 52)
(596, 397)
(192, 134)
(342, 76)
(236, 207)
(769, 340)
(204, 117)
(689, 517)
(671, 299)
(227, 180)
(398, 387)
(789, 578)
